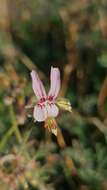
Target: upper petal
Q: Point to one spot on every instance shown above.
(40, 113)
(37, 85)
(55, 82)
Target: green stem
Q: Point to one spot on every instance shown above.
(15, 126)
(6, 137)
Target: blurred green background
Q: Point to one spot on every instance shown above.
(70, 35)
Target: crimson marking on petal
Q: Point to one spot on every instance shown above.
(41, 105)
(50, 98)
(50, 103)
(43, 99)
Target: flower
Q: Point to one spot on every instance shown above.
(46, 108)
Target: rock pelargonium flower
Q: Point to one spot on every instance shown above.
(46, 108)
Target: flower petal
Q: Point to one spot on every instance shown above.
(52, 110)
(55, 82)
(37, 85)
(40, 113)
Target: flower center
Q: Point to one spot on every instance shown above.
(50, 98)
(45, 101)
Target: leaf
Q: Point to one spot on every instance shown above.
(29, 110)
(103, 60)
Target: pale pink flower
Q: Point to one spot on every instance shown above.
(46, 106)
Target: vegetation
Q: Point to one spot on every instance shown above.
(70, 35)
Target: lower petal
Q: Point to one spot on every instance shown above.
(40, 113)
(52, 110)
